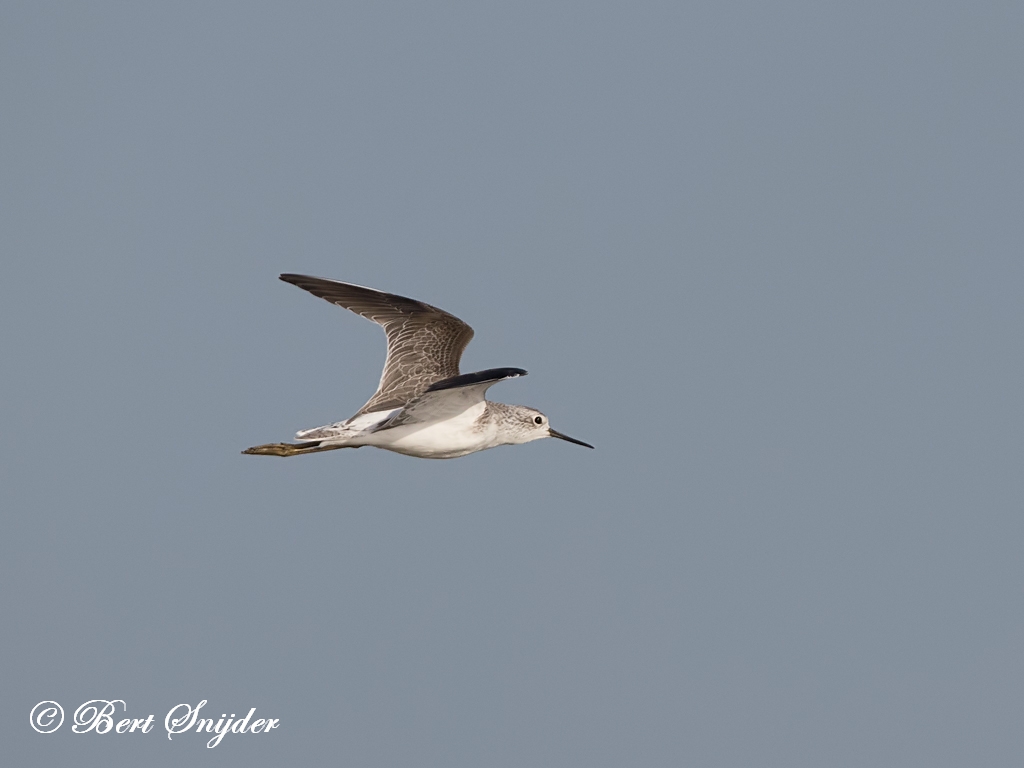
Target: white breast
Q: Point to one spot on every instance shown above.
(446, 439)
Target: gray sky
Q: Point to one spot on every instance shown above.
(766, 257)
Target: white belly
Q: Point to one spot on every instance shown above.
(437, 440)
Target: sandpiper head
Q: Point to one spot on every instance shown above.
(529, 424)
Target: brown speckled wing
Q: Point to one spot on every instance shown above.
(424, 342)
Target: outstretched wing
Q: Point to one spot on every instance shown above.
(424, 342)
(448, 398)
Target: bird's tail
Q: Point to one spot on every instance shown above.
(292, 449)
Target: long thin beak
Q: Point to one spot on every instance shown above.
(560, 436)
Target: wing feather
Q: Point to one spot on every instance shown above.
(425, 343)
(448, 398)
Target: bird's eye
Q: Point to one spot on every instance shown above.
(538, 419)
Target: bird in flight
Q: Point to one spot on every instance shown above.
(423, 406)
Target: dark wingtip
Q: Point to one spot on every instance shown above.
(466, 379)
